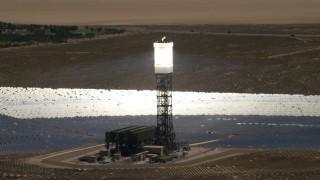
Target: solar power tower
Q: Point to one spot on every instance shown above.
(163, 63)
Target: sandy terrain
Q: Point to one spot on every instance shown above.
(250, 164)
(204, 62)
(160, 11)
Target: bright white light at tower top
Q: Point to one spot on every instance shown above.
(163, 57)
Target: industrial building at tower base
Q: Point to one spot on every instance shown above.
(155, 143)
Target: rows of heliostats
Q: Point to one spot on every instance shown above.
(50, 103)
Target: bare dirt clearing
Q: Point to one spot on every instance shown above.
(202, 62)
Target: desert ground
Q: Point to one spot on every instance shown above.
(133, 12)
(248, 164)
(243, 46)
(211, 58)
(208, 58)
(220, 46)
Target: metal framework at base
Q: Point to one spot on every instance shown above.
(165, 135)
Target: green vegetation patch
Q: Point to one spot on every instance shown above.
(12, 35)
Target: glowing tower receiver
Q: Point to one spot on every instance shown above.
(163, 56)
(163, 63)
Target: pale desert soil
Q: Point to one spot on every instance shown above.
(105, 12)
(202, 62)
(269, 164)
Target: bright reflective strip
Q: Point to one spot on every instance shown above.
(204, 142)
(58, 103)
(72, 151)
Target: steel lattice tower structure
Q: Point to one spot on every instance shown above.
(165, 134)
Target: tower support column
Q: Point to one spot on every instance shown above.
(163, 63)
(165, 134)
